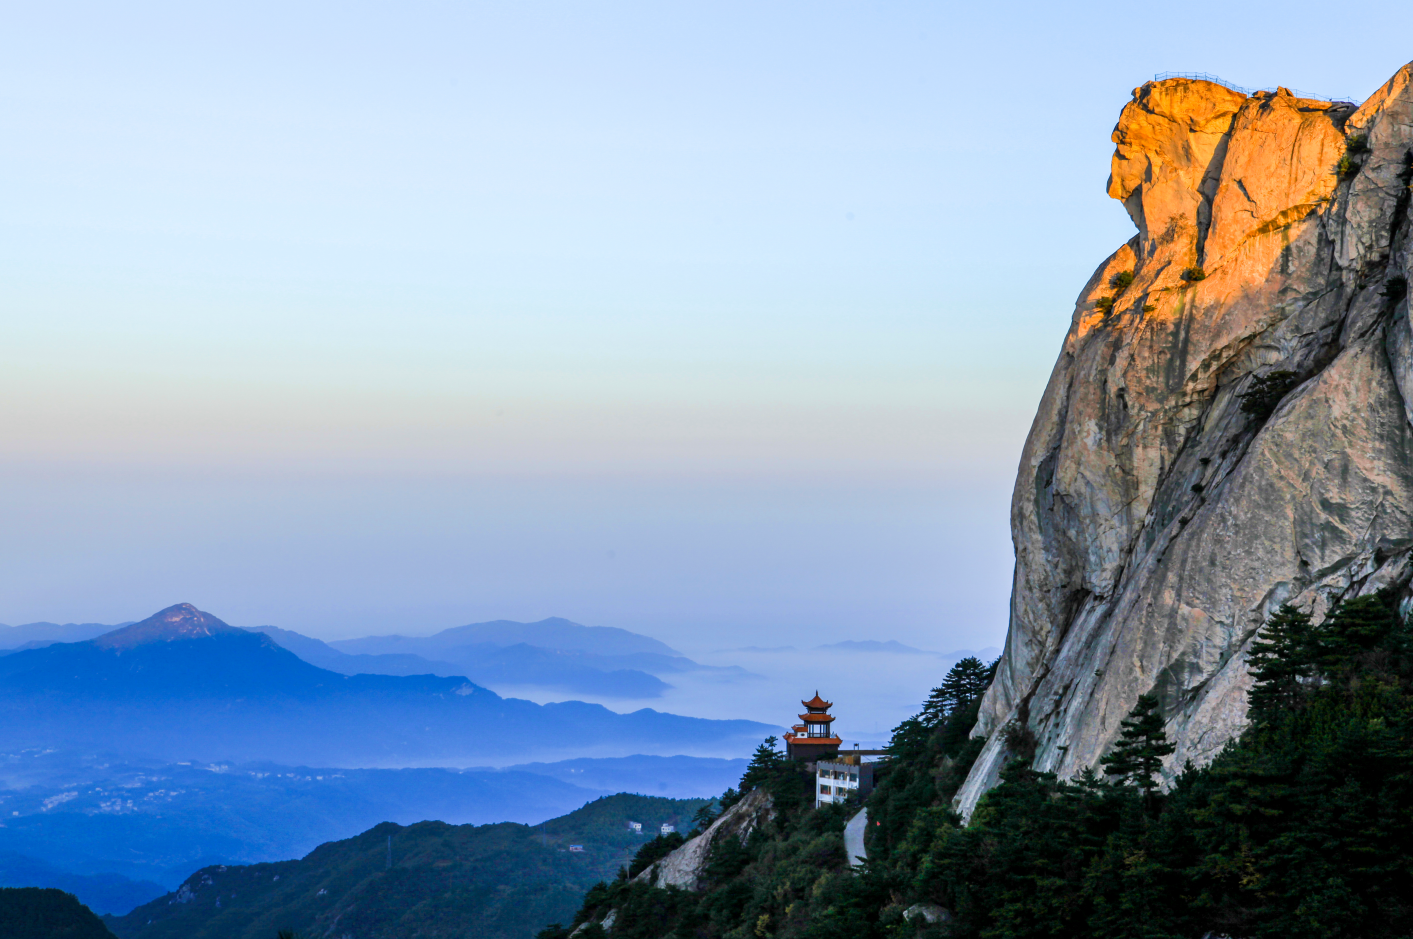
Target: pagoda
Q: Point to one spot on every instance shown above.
(813, 738)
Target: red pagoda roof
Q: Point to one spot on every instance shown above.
(816, 718)
(800, 738)
(817, 702)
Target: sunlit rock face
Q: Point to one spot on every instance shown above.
(1156, 524)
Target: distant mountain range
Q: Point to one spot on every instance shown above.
(553, 654)
(38, 635)
(102, 893)
(110, 830)
(872, 645)
(184, 685)
(601, 661)
(568, 667)
(553, 633)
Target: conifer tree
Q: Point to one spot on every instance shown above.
(1354, 627)
(966, 681)
(1137, 758)
(1281, 658)
(705, 815)
(765, 764)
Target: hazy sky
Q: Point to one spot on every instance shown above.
(722, 322)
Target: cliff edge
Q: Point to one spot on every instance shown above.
(1225, 432)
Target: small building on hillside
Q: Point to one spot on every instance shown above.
(813, 738)
(636, 826)
(667, 829)
(839, 780)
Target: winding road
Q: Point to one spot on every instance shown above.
(854, 838)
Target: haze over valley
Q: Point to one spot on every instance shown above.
(706, 471)
(140, 751)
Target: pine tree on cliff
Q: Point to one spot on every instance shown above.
(765, 764)
(966, 682)
(1356, 627)
(1281, 659)
(705, 815)
(1137, 758)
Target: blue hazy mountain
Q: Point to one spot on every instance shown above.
(112, 830)
(184, 685)
(38, 635)
(678, 777)
(102, 893)
(488, 664)
(597, 661)
(317, 652)
(147, 821)
(554, 633)
(872, 645)
(593, 661)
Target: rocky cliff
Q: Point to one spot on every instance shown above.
(685, 866)
(1225, 431)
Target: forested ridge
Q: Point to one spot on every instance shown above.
(1301, 827)
(429, 880)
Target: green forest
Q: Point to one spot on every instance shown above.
(431, 879)
(1301, 827)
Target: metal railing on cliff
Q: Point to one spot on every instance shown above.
(1217, 80)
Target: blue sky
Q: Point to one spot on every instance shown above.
(722, 322)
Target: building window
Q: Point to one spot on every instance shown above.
(824, 790)
(853, 777)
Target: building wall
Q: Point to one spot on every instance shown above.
(839, 781)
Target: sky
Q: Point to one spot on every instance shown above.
(722, 322)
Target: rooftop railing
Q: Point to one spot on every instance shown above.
(1217, 80)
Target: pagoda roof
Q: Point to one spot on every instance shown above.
(826, 741)
(816, 718)
(817, 702)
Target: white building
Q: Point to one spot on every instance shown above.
(668, 829)
(840, 781)
(636, 826)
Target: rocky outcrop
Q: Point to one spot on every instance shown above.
(684, 867)
(1157, 522)
(929, 913)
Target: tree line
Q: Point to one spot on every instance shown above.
(1300, 827)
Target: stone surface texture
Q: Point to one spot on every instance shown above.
(1157, 525)
(684, 866)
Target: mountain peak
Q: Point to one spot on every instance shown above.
(175, 623)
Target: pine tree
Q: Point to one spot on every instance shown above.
(765, 764)
(1137, 758)
(1281, 659)
(1353, 628)
(966, 681)
(704, 816)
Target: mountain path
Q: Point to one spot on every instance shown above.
(854, 838)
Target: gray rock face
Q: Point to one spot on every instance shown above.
(1156, 523)
(684, 866)
(929, 913)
